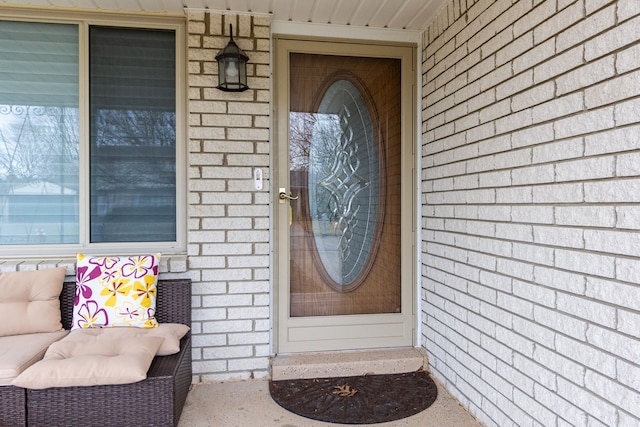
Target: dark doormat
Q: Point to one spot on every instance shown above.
(366, 399)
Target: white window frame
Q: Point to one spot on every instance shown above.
(141, 21)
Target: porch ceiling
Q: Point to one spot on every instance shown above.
(394, 14)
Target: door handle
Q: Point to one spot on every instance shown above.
(284, 196)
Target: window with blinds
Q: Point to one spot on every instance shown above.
(39, 136)
(130, 186)
(133, 135)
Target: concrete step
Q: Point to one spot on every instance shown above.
(347, 363)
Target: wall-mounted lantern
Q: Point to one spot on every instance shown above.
(232, 67)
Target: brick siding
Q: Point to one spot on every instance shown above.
(228, 220)
(531, 200)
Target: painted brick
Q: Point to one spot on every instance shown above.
(480, 228)
(445, 77)
(514, 49)
(208, 314)
(574, 415)
(533, 175)
(558, 65)
(595, 264)
(561, 280)
(494, 179)
(514, 85)
(627, 374)
(533, 135)
(226, 300)
(613, 141)
(534, 332)
(578, 209)
(535, 56)
(469, 211)
(557, 22)
(596, 216)
(465, 182)
(533, 96)
(494, 144)
(587, 401)
(486, 262)
(248, 338)
(558, 107)
(494, 111)
(583, 308)
(588, 122)
(626, 217)
(533, 253)
(628, 164)
(494, 76)
(616, 38)
(620, 191)
(559, 193)
(586, 75)
(566, 368)
(629, 323)
(621, 345)
(538, 412)
(514, 195)
(614, 242)
(567, 149)
(585, 29)
(514, 232)
(613, 90)
(542, 376)
(515, 121)
(249, 313)
(628, 270)
(536, 16)
(249, 364)
(628, 9)
(248, 262)
(587, 355)
(201, 367)
(226, 274)
(614, 392)
(586, 169)
(474, 98)
(534, 293)
(205, 340)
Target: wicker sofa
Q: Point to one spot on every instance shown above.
(155, 401)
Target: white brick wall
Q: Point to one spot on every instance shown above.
(531, 207)
(228, 220)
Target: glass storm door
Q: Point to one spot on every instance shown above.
(344, 207)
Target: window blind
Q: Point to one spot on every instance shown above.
(133, 135)
(38, 64)
(39, 184)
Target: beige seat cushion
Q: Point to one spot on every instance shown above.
(29, 301)
(171, 334)
(18, 352)
(91, 362)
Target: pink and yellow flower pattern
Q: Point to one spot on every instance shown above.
(116, 291)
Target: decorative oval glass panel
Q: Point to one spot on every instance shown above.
(345, 191)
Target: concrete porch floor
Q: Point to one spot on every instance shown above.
(248, 404)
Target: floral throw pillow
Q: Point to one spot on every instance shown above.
(116, 291)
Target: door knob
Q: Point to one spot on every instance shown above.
(284, 196)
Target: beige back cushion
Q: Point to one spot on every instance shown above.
(29, 301)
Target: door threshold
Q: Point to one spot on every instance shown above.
(347, 363)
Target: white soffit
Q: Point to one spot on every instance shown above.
(412, 15)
